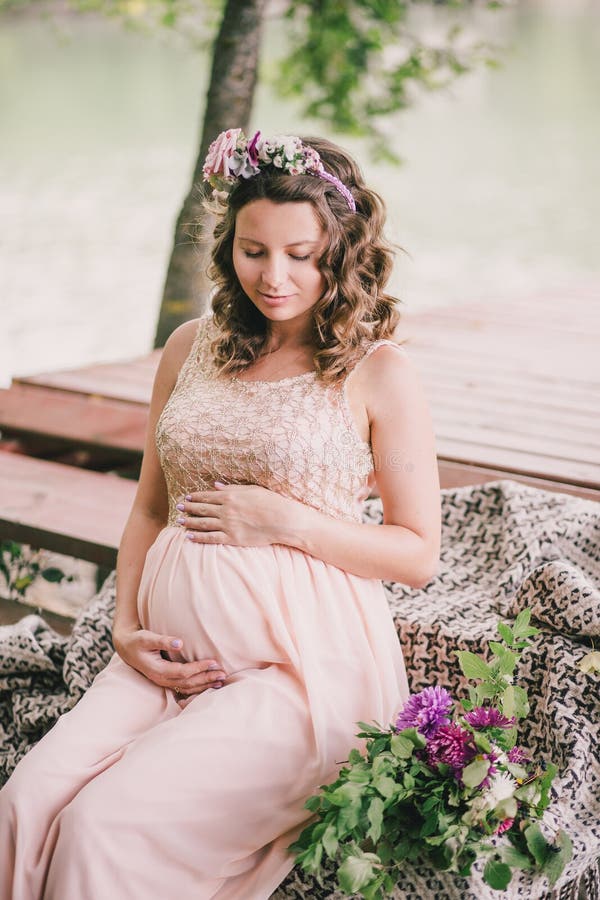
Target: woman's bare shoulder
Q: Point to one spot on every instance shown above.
(179, 344)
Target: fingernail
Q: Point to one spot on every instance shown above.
(176, 643)
(180, 520)
(190, 535)
(188, 496)
(214, 666)
(180, 506)
(218, 684)
(219, 484)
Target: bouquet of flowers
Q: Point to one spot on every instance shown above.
(445, 785)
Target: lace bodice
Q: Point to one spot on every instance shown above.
(295, 436)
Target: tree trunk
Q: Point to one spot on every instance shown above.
(228, 105)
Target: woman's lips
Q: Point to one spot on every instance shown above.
(275, 300)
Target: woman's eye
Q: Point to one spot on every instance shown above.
(252, 255)
(300, 258)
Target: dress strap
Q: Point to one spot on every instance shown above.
(196, 358)
(374, 345)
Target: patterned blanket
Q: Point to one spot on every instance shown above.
(505, 547)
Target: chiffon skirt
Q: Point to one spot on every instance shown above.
(136, 794)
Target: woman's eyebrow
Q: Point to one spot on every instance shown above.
(306, 242)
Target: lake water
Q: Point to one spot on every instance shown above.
(499, 194)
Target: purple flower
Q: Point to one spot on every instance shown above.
(252, 151)
(488, 717)
(492, 757)
(452, 745)
(426, 711)
(518, 756)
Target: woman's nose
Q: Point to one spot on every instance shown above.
(274, 272)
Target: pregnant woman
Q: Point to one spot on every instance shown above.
(251, 629)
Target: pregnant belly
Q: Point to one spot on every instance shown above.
(223, 602)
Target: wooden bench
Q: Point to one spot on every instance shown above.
(64, 509)
(51, 421)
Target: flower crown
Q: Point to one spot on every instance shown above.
(232, 156)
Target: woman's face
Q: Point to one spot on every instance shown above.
(276, 248)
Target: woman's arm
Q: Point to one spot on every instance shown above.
(406, 547)
(141, 648)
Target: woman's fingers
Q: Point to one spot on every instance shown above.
(185, 678)
(201, 523)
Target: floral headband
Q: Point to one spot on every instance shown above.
(232, 156)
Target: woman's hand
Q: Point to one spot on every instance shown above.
(143, 650)
(246, 515)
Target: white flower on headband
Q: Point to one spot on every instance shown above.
(232, 156)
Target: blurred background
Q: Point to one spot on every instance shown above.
(498, 194)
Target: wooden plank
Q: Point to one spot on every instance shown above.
(12, 611)
(459, 475)
(552, 468)
(61, 508)
(129, 380)
(90, 421)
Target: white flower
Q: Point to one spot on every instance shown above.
(278, 160)
(287, 144)
(502, 786)
(241, 167)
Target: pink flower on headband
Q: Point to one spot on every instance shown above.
(252, 151)
(231, 156)
(220, 153)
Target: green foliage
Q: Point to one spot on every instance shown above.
(20, 569)
(354, 64)
(495, 679)
(390, 805)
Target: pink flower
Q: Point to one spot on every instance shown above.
(252, 151)
(488, 717)
(504, 826)
(516, 755)
(220, 152)
(451, 745)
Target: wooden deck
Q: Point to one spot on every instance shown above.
(514, 390)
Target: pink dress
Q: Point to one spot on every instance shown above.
(136, 794)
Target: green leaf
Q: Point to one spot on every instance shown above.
(537, 844)
(330, 841)
(514, 858)
(508, 702)
(402, 747)
(375, 816)
(414, 736)
(385, 785)
(313, 803)
(506, 809)
(473, 666)
(346, 794)
(505, 633)
(481, 742)
(521, 702)
(354, 873)
(497, 874)
(52, 574)
(559, 856)
(522, 621)
(475, 772)
(545, 782)
(517, 771)
(22, 583)
(310, 859)
(355, 757)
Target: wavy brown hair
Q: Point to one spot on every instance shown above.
(355, 264)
